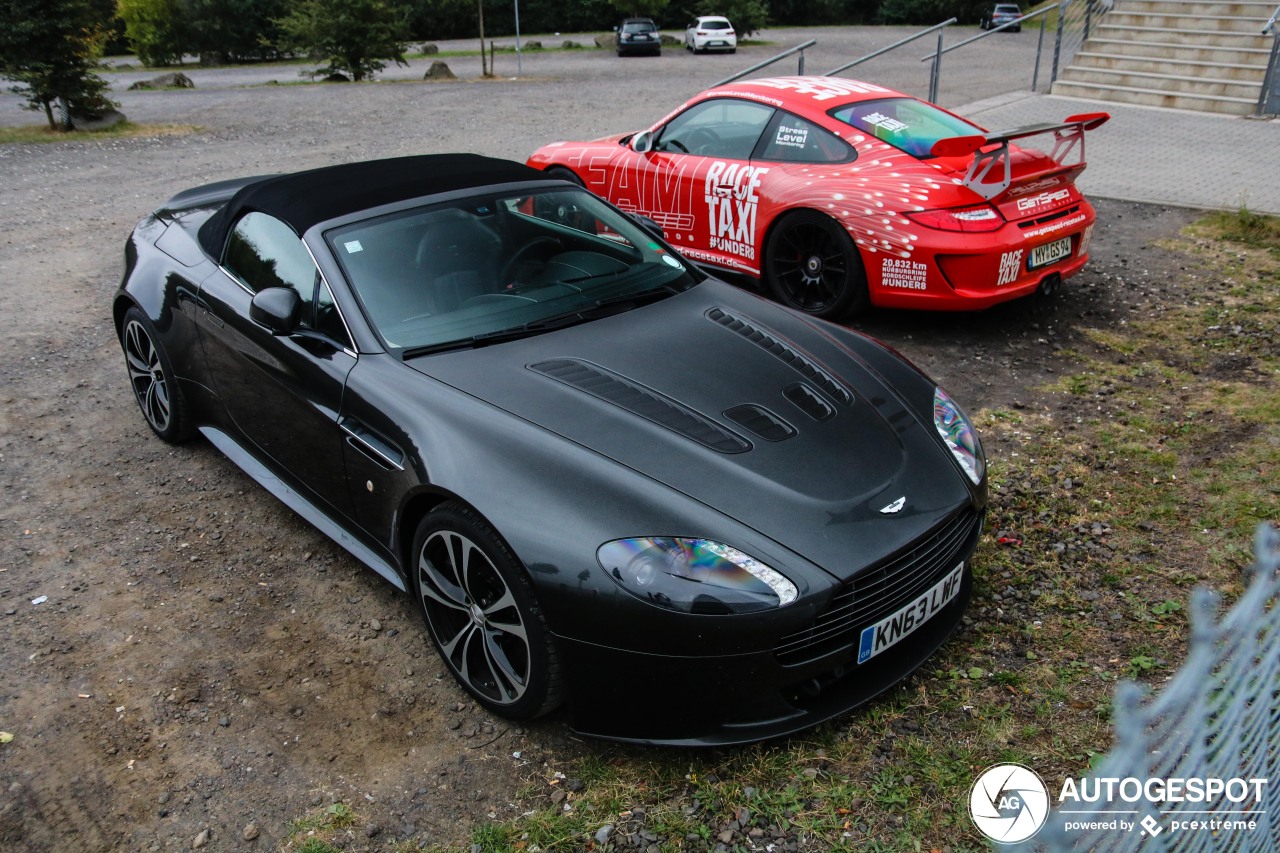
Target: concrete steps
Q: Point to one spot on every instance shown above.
(1185, 54)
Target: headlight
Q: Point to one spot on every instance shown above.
(694, 575)
(958, 433)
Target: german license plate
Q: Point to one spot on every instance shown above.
(1050, 252)
(893, 629)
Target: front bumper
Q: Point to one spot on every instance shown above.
(684, 701)
(787, 677)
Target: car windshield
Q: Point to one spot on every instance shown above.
(714, 24)
(905, 123)
(1008, 10)
(638, 27)
(488, 267)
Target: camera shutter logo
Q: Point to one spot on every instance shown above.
(1009, 803)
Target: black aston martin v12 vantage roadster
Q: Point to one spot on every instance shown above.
(608, 480)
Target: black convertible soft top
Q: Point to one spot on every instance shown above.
(303, 199)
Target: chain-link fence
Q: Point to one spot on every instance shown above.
(1216, 722)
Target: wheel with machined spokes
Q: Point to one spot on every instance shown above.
(812, 265)
(154, 385)
(482, 614)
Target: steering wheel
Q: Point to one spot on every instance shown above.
(699, 138)
(523, 256)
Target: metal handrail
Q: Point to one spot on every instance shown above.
(992, 31)
(897, 44)
(1271, 23)
(800, 48)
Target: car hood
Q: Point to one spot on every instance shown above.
(739, 404)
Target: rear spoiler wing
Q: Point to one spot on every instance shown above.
(1067, 135)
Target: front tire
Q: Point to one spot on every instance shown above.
(811, 264)
(155, 386)
(482, 614)
(560, 173)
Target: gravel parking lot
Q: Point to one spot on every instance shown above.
(184, 655)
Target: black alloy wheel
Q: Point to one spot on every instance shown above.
(482, 614)
(812, 265)
(154, 385)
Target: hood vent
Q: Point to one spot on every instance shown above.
(794, 359)
(649, 404)
(809, 401)
(761, 421)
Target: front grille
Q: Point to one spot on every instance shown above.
(883, 589)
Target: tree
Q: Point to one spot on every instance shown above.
(155, 30)
(352, 36)
(238, 30)
(49, 48)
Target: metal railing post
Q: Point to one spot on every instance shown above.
(1088, 17)
(1269, 97)
(797, 49)
(1035, 73)
(936, 74)
(1057, 43)
(800, 64)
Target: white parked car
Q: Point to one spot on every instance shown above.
(710, 32)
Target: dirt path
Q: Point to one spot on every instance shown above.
(184, 654)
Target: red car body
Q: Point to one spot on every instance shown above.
(749, 178)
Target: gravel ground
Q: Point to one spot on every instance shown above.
(186, 661)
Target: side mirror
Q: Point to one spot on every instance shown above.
(276, 309)
(642, 142)
(653, 229)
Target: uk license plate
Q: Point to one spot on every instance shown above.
(892, 629)
(1050, 252)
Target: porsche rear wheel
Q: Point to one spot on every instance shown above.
(812, 265)
(482, 615)
(154, 385)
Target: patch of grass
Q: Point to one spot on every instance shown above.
(319, 831)
(123, 130)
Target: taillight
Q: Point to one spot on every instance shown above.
(978, 219)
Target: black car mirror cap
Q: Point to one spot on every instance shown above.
(642, 142)
(276, 309)
(652, 228)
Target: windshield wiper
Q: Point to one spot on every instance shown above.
(597, 310)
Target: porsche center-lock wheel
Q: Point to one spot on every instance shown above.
(812, 265)
(154, 385)
(482, 614)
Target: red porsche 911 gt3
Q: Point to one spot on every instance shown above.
(839, 194)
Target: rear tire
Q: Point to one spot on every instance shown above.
(155, 386)
(812, 265)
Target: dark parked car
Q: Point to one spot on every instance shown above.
(605, 478)
(1001, 13)
(638, 35)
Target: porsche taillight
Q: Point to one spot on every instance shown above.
(978, 219)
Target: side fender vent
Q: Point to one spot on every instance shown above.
(649, 404)
(786, 353)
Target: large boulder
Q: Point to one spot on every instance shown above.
(172, 80)
(439, 71)
(606, 40)
(100, 121)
